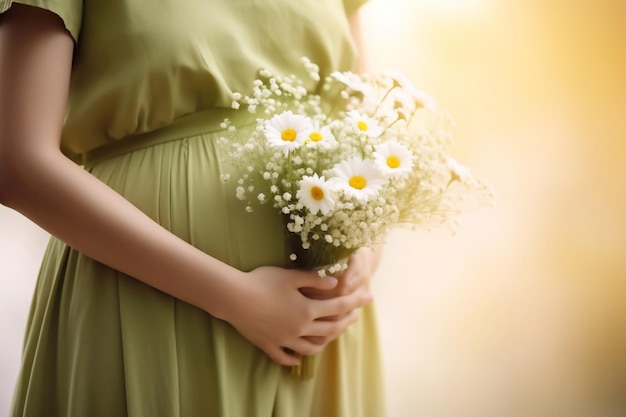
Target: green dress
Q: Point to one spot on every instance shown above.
(151, 80)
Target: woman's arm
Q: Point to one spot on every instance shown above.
(39, 182)
(357, 35)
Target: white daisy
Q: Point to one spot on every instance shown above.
(316, 194)
(365, 124)
(393, 159)
(321, 136)
(287, 131)
(358, 178)
(417, 97)
(458, 172)
(351, 80)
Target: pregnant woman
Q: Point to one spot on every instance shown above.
(158, 294)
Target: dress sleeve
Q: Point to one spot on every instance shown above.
(352, 5)
(70, 11)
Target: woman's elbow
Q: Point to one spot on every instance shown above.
(15, 172)
(8, 182)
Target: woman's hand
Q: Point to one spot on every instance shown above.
(269, 310)
(355, 280)
(362, 265)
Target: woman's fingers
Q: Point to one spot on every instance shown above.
(341, 305)
(286, 357)
(325, 331)
(309, 279)
(319, 334)
(317, 340)
(306, 347)
(350, 282)
(361, 267)
(322, 332)
(317, 294)
(347, 282)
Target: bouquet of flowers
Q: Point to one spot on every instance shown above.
(347, 162)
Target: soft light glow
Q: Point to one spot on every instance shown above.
(394, 9)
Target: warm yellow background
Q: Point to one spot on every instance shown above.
(523, 313)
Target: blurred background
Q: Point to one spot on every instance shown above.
(523, 311)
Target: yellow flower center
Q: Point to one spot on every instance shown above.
(288, 135)
(317, 193)
(357, 182)
(362, 125)
(393, 162)
(316, 136)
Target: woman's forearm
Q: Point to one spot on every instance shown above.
(77, 208)
(39, 182)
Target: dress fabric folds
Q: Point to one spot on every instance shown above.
(100, 343)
